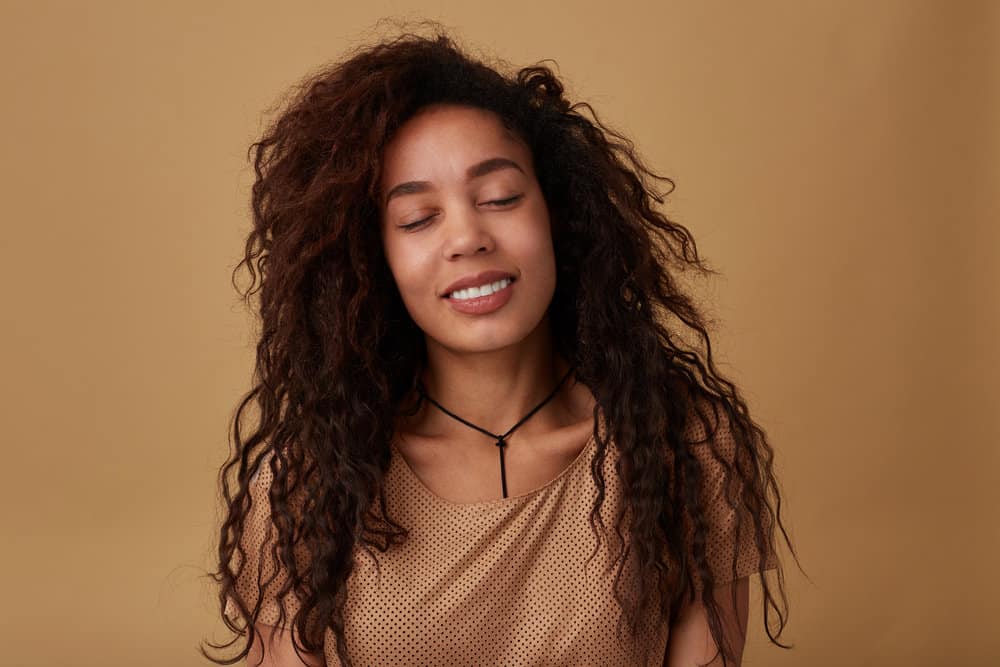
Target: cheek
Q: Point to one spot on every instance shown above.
(397, 261)
(537, 241)
(411, 270)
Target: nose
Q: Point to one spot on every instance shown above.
(467, 233)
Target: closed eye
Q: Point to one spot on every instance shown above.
(504, 202)
(416, 224)
(495, 202)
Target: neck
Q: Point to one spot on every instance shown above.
(494, 389)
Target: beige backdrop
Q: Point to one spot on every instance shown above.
(837, 161)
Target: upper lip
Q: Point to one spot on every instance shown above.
(476, 279)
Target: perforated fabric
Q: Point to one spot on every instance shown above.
(501, 582)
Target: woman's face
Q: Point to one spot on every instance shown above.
(468, 188)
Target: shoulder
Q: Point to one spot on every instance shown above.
(708, 427)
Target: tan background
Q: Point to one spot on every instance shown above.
(837, 161)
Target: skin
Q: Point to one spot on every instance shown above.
(279, 650)
(690, 641)
(490, 369)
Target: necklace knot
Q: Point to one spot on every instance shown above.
(500, 438)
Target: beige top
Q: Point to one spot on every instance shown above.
(501, 582)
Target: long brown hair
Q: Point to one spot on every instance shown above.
(338, 352)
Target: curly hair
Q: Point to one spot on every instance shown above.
(338, 352)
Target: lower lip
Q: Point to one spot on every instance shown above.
(481, 305)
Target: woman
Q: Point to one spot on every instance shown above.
(470, 368)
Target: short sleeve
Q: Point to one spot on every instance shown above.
(722, 545)
(258, 538)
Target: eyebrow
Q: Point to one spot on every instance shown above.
(475, 171)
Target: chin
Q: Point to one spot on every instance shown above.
(479, 345)
(474, 343)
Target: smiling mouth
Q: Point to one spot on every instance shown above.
(484, 304)
(490, 289)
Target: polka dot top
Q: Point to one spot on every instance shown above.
(502, 582)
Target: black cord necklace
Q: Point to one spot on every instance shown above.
(500, 439)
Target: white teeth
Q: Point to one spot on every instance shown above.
(482, 290)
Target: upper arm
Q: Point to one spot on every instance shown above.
(690, 641)
(260, 574)
(260, 578)
(274, 646)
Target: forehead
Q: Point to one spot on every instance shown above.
(446, 139)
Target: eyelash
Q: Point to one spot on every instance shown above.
(500, 202)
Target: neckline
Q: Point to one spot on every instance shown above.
(509, 500)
